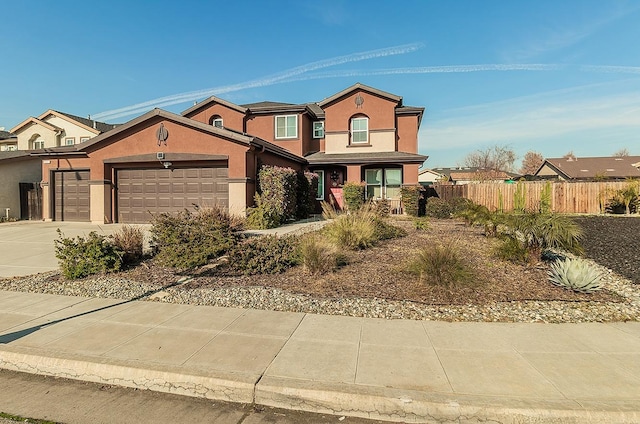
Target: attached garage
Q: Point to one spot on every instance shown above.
(71, 196)
(142, 193)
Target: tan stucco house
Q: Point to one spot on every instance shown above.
(211, 153)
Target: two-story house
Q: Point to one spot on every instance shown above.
(20, 172)
(211, 153)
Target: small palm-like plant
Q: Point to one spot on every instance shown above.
(575, 274)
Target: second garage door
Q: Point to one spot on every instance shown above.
(142, 193)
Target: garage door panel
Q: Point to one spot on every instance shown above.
(71, 196)
(168, 190)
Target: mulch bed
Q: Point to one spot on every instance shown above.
(614, 242)
(380, 273)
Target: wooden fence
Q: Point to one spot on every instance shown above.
(566, 197)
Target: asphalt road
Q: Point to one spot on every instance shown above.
(75, 402)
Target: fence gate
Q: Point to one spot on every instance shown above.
(30, 201)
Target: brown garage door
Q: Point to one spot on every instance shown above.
(71, 198)
(143, 192)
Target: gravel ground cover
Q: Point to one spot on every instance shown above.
(375, 284)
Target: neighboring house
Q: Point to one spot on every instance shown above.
(592, 168)
(21, 173)
(8, 141)
(428, 177)
(210, 154)
(469, 174)
(55, 129)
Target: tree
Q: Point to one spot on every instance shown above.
(569, 156)
(621, 153)
(531, 162)
(499, 158)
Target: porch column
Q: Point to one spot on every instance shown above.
(410, 173)
(47, 213)
(100, 202)
(238, 196)
(354, 174)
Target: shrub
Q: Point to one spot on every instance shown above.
(519, 198)
(422, 223)
(383, 230)
(411, 196)
(328, 211)
(545, 198)
(319, 256)
(186, 240)
(264, 215)
(353, 231)
(625, 200)
(265, 255)
(441, 266)
(537, 231)
(353, 195)
(130, 241)
(575, 274)
(511, 249)
(459, 204)
(381, 207)
(307, 188)
(278, 189)
(438, 208)
(80, 257)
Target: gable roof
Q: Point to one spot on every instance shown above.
(468, 173)
(359, 86)
(214, 99)
(594, 167)
(235, 136)
(95, 127)
(89, 123)
(35, 121)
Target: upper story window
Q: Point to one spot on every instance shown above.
(83, 139)
(37, 144)
(69, 141)
(360, 130)
(8, 147)
(318, 129)
(287, 126)
(216, 121)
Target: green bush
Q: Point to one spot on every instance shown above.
(306, 195)
(511, 249)
(411, 196)
(263, 215)
(459, 204)
(383, 230)
(381, 207)
(438, 208)
(441, 266)
(422, 223)
(319, 256)
(129, 240)
(278, 188)
(545, 198)
(80, 257)
(537, 232)
(265, 255)
(353, 194)
(187, 240)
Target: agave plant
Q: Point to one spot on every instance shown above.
(575, 274)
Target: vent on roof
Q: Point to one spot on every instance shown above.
(619, 159)
(584, 170)
(610, 170)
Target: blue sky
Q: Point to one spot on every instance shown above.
(551, 76)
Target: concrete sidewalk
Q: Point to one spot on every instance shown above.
(401, 370)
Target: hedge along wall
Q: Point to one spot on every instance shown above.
(278, 188)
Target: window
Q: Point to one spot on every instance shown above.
(69, 141)
(383, 183)
(12, 148)
(287, 126)
(320, 193)
(318, 129)
(37, 144)
(360, 130)
(216, 121)
(83, 139)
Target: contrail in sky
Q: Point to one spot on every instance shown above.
(260, 82)
(302, 73)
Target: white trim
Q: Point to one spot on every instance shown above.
(286, 119)
(66, 141)
(321, 128)
(366, 131)
(215, 120)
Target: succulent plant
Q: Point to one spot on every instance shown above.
(575, 274)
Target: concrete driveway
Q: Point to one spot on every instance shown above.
(27, 247)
